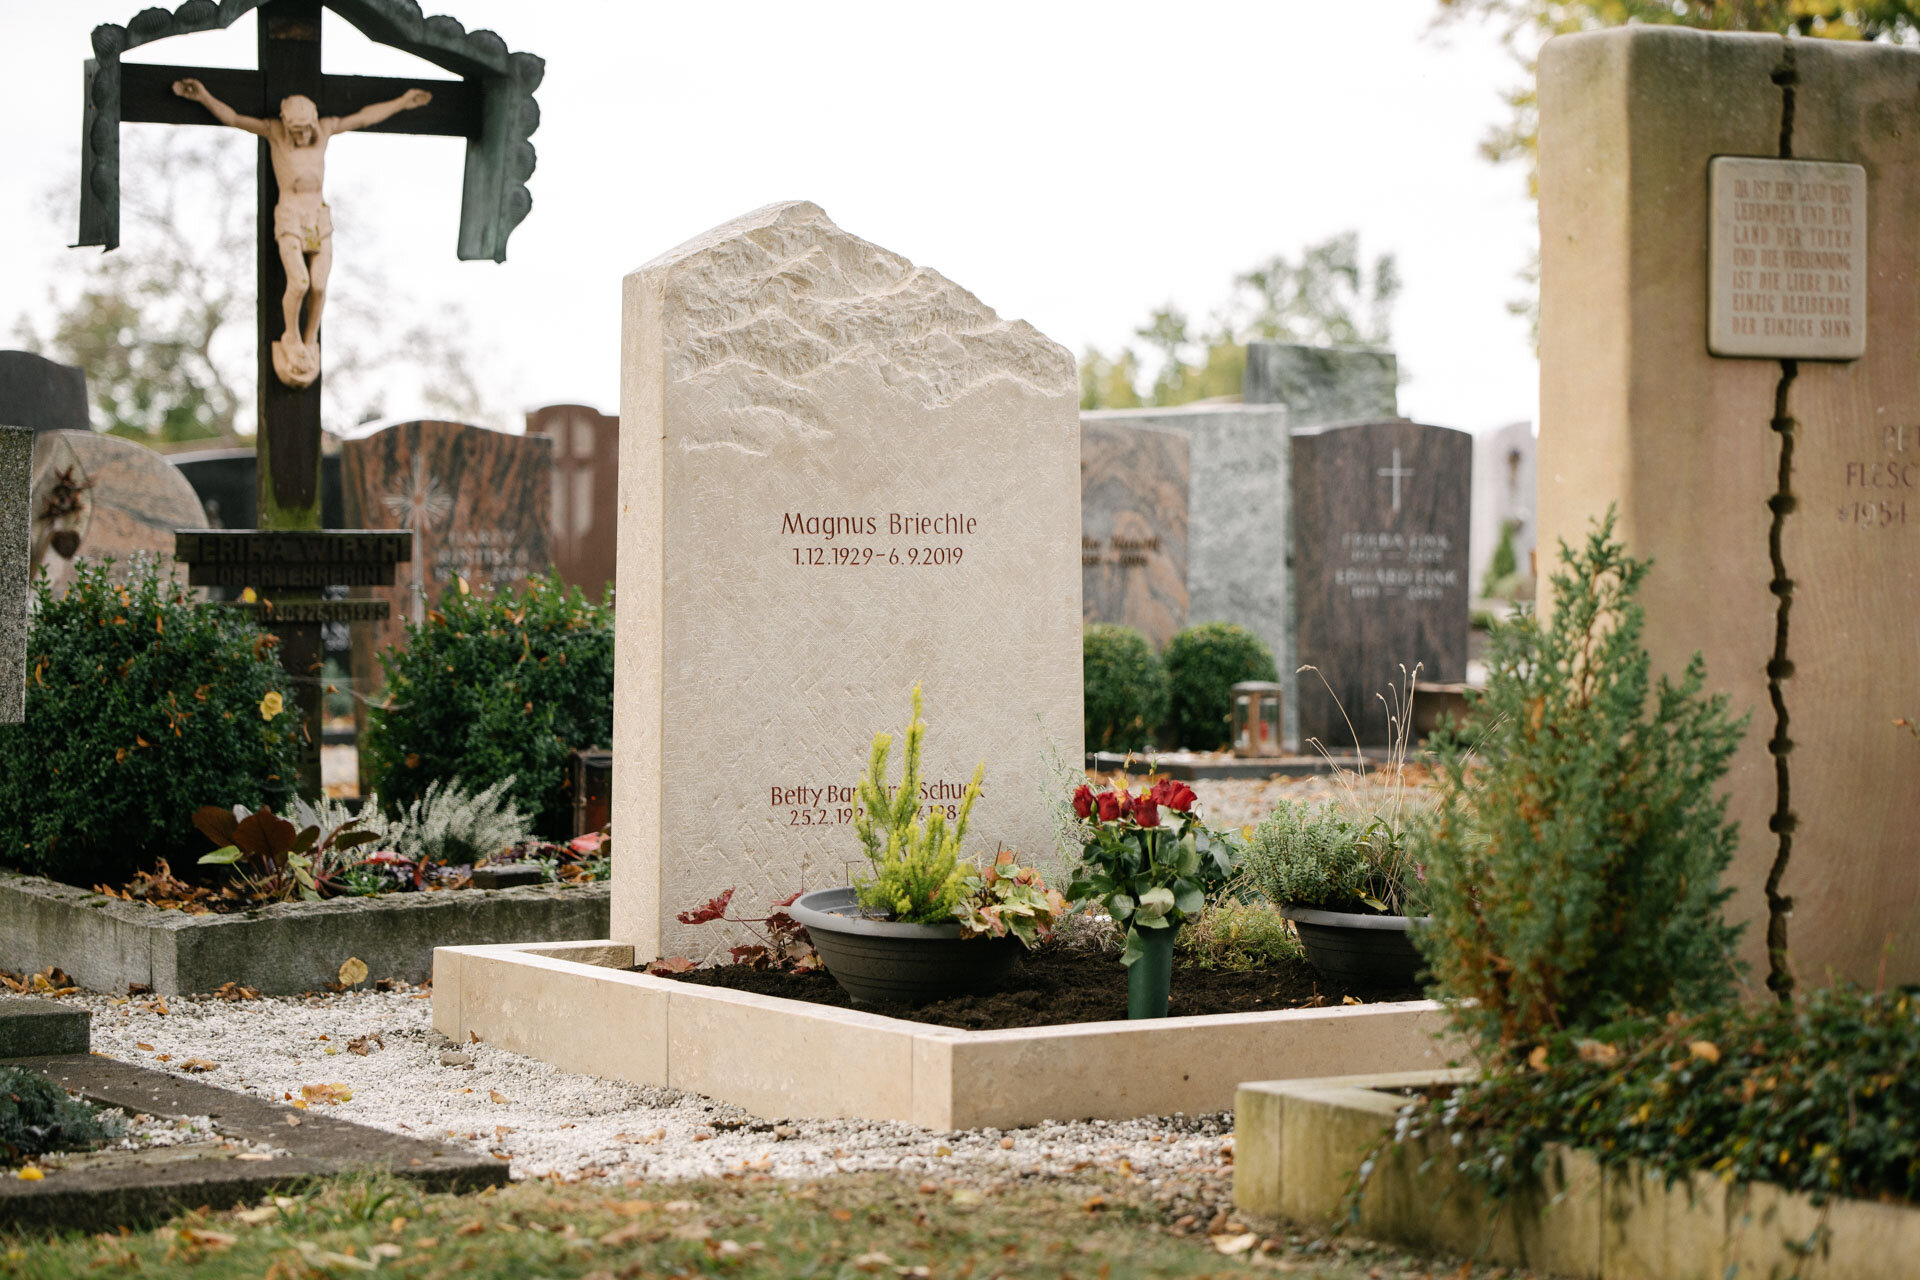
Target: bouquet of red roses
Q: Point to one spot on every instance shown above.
(1148, 859)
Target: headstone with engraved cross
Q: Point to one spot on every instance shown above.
(295, 108)
(1380, 515)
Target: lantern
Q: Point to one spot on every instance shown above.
(1256, 718)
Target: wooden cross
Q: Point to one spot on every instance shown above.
(491, 107)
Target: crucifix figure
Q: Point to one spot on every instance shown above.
(293, 107)
(1397, 472)
(302, 227)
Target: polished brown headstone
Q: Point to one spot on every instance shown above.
(97, 496)
(1133, 527)
(1380, 568)
(586, 491)
(477, 502)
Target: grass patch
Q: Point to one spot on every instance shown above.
(847, 1227)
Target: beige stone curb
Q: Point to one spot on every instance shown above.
(577, 1006)
(1297, 1144)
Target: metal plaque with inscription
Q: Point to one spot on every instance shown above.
(1787, 259)
(274, 558)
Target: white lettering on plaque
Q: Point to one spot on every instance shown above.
(1787, 259)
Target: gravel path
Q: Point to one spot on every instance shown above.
(552, 1123)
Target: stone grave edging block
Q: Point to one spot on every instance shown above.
(104, 944)
(579, 1007)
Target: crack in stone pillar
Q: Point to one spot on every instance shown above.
(1780, 667)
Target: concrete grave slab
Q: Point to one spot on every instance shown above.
(30, 1026)
(91, 1193)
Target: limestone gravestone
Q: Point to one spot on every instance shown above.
(1238, 516)
(841, 475)
(1779, 494)
(16, 479)
(1133, 526)
(42, 394)
(1320, 385)
(586, 492)
(98, 496)
(1380, 569)
(1503, 493)
(476, 501)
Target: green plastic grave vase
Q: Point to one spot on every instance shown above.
(1151, 976)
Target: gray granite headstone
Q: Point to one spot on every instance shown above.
(1380, 568)
(42, 394)
(16, 487)
(1320, 385)
(1133, 526)
(1503, 489)
(1237, 517)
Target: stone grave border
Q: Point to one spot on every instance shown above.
(580, 1007)
(104, 1196)
(1297, 1143)
(104, 944)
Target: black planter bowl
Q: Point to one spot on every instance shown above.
(1360, 947)
(886, 962)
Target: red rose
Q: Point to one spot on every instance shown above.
(1179, 797)
(1126, 804)
(1146, 812)
(1109, 806)
(1083, 802)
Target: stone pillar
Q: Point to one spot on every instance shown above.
(840, 474)
(16, 566)
(1776, 495)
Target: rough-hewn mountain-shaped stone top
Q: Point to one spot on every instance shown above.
(765, 307)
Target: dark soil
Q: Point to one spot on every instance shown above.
(1057, 985)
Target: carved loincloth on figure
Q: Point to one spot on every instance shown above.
(312, 227)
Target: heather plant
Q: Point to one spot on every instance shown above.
(140, 705)
(1574, 857)
(1234, 935)
(1203, 664)
(493, 687)
(918, 877)
(453, 824)
(1124, 688)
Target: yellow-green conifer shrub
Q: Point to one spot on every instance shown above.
(918, 877)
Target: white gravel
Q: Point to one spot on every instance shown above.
(552, 1123)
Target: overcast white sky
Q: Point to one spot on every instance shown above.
(1074, 165)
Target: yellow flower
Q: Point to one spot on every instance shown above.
(249, 596)
(272, 705)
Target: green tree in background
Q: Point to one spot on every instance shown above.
(1329, 296)
(1527, 24)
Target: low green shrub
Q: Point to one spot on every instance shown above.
(1820, 1097)
(1311, 856)
(1574, 858)
(1124, 688)
(496, 687)
(141, 707)
(1236, 936)
(37, 1116)
(1203, 664)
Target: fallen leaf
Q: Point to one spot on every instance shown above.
(163, 1057)
(294, 1121)
(254, 1155)
(300, 1103)
(197, 1065)
(359, 1044)
(1094, 1204)
(206, 1239)
(872, 1261)
(1538, 1058)
(691, 1231)
(139, 1044)
(254, 1217)
(671, 964)
(498, 1096)
(325, 1259)
(1706, 1050)
(330, 1094)
(624, 1235)
(966, 1197)
(1230, 1245)
(353, 972)
(473, 1228)
(679, 1206)
(384, 1250)
(841, 1215)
